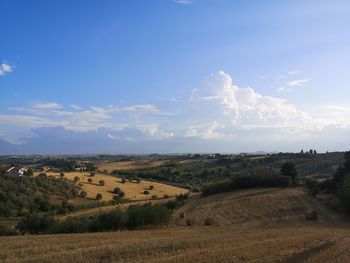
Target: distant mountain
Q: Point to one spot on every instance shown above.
(8, 148)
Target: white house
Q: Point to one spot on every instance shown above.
(17, 171)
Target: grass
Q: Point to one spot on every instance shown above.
(256, 225)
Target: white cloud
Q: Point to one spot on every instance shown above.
(183, 2)
(292, 72)
(5, 69)
(47, 106)
(290, 85)
(75, 107)
(219, 112)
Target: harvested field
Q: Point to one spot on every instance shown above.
(262, 225)
(110, 166)
(133, 191)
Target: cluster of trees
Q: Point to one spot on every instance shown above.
(262, 179)
(135, 217)
(20, 196)
(339, 184)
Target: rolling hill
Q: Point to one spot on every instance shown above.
(258, 225)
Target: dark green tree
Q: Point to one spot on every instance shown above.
(288, 169)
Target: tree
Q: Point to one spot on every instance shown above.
(121, 194)
(82, 194)
(98, 197)
(102, 182)
(117, 190)
(288, 169)
(76, 179)
(29, 172)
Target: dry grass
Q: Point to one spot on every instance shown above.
(110, 166)
(252, 226)
(133, 190)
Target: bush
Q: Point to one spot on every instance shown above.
(76, 179)
(151, 187)
(121, 194)
(117, 190)
(35, 224)
(98, 197)
(92, 174)
(90, 180)
(123, 180)
(147, 215)
(101, 182)
(114, 220)
(146, 192)
(71, 225)
(190, 222)
(82, 194)
(244, 182)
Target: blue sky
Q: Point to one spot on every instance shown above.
(173, 76)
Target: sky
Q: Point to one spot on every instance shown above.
(174, 76)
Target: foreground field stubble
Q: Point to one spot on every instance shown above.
(275, 232)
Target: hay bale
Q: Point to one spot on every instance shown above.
(190, 222)
(311, 215)
(209, 221)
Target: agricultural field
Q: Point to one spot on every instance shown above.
(134, 191)
(128, 165)
(257, 225)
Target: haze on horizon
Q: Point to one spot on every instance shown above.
(174, 76)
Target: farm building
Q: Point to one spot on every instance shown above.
(17, 171)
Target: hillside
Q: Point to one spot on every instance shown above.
(128, 165)
(133, 190)
(259, 225)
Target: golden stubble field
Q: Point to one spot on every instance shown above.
(133, 191)
(127, 165)
(261, 225)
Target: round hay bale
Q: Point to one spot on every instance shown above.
(182, 215)
(311, 215)
(209, 221)
(190, 222)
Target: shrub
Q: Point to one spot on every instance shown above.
(117, 190)
(98, 197)
(114, 220)
(123, 180)
(92, 174)
(101, 182)
(244, 182)
(146, 192)
(147, 215)
(90, 180)
(209, 221)
(190, 222)
(154, 197)
(35, 224)
(151, 187)
(76, 179)
(61, 174)
(82, 194)
(121, 194)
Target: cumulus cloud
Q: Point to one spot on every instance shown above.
(218, 115)
(5, 69)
